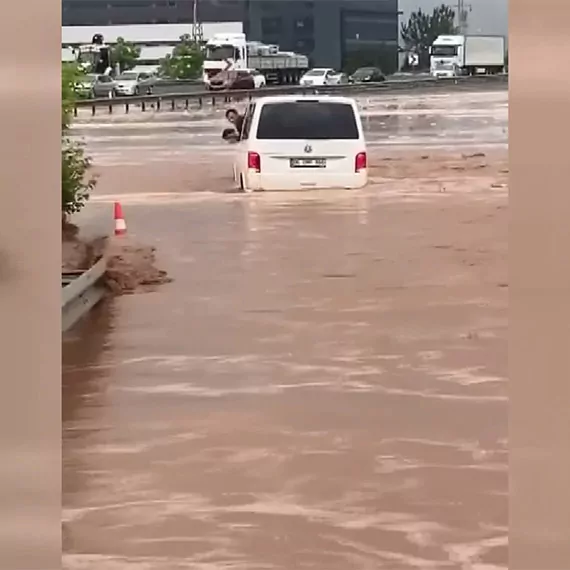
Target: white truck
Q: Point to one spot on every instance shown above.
(234, 52)
(451, 56)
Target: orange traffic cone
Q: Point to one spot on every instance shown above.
(120, 224)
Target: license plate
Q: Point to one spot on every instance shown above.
(308, 163)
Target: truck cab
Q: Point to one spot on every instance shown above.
(224, 52)
(447, 56)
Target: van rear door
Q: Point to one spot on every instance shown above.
(308, 135)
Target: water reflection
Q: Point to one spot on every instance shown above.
(84, 350)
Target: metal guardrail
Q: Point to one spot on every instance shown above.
(80, 292)
(160, 100)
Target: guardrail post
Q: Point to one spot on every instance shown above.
(200, 97)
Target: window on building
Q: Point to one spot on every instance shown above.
(369, 29)
(304, 26)
(85, 4)
(305, 46)
(130, 4)
(271, 26)
(273, 6)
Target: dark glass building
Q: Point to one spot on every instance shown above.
(131, 12)
(334, 33)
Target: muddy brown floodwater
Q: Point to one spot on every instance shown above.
(322, 386)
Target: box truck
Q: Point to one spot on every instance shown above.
(467, 55)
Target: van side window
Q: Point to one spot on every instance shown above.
(247, 122)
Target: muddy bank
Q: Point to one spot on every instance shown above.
(78, 253)
(131, 267)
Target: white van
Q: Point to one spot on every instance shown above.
(293, 142)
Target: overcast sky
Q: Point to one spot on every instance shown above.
(486, 16)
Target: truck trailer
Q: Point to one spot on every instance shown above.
(451, 56)
(234, 52)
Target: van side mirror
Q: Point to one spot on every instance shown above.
(429, 50)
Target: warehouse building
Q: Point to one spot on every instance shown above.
(334, 33)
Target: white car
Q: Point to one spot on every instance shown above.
(258, 79)
(319, 76)
(292, 142)
(134, 83)
(338, 78)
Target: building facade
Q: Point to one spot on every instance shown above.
(333, 33)
(126, 12)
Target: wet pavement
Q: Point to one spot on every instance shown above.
(323, 385)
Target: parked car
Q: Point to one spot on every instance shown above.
(135, 83)
(367, 75)
(95, 86)
(339, 78)
(236, 79)
(319, 76)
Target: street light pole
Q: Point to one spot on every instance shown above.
(462, 16)
(197, 30)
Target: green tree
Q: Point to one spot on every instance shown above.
(76, 183)
(422, 29)
(124, 53)
(185, 62)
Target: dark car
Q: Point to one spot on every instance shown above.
(367, 75)
(232, 79)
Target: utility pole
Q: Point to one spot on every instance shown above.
(197, 33)
(462, 12)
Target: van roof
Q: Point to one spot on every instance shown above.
(300, 97)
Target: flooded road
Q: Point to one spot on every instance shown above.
(323, 385)
(440, 120)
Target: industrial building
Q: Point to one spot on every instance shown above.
(332, 33)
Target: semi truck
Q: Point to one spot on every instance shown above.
(451, 56)
(233, 52)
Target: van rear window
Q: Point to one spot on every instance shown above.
(314, 120)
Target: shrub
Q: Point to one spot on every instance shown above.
(76, 184)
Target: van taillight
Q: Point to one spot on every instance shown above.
(360, 162)
(254, 161)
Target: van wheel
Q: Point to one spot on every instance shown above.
(241, 183)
